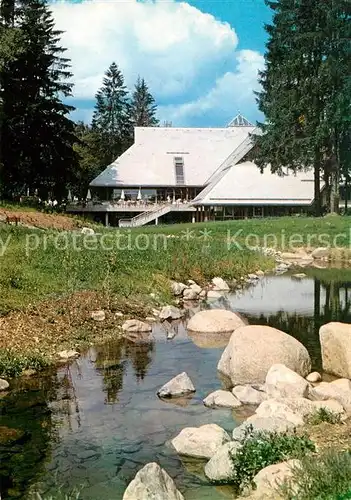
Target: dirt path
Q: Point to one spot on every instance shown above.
(42, 220)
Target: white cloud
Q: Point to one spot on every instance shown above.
(185, 55)
(232, 92)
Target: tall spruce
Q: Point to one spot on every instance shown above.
(143, 107)
(37, 134)
(303, 90)
(112, 116)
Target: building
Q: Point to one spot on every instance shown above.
(192, 174)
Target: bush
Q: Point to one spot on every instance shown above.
(261, 449)
(12, 365)
(324, 415)
(328, 477)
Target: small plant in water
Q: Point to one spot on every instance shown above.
(324, 415)
(261, 449)
(72, 495)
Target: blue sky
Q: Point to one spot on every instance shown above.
(200, 58)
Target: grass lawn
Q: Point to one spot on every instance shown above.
(49, 278)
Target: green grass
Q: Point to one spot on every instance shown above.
(40, 264)
(285, 232)
(324, 415)
(327, 477)
(261, 449)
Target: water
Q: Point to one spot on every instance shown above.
(92, 425)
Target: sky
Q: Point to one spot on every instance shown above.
(200, 58)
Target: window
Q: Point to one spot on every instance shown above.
(179, 170)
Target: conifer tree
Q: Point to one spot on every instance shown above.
(303, 94)
(143, 107)
(112, 116)
(38, 136)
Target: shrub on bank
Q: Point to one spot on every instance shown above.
(261, 449)
(328, 477)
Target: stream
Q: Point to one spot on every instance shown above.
(91, 425)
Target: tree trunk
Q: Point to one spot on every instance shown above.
(317, 189)
(335, 187)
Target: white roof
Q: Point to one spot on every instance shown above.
(150, 161)
(243, 184)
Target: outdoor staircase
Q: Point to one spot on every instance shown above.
(146, 217)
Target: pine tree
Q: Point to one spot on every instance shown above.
(111, 119)
(89, 163)
(302, 83)
(143, 107)
(38, 136)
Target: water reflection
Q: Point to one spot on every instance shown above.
(97, 421)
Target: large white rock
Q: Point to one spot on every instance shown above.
(178, 386)
(220, 285)
(134, 325)
(200, 442)
(261, 424)
(170, 312)
(68, 354)
(314, 377)
(275, 475)
(190, 294)
(324, 391)
(281, 381)
(4, 384)
(152, 483)
(177, 288)
(335, 339)
(320, 253)
(342, 383)
(220, 398)
(252, 350)
(296, 410)
(215, 321)
(278, 409)
(248, 395)
(220, 467)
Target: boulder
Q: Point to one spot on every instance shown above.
(4, 384)
(177, 288)
(170, 312)
(281, 381)
(200, 442)
(220, 467)
(252, 350)
(278, 409)
(68, 354)
(320, 253)
(275, 475)
(196, 288)
(324, 391)
(220, 398)
(213, 294)
(178, 386)
(247, 395)
(152, 482)
(299, 276)
(342, 383)
(98, 315)
(220, 285)
(215, 321)
(314, 377)
(87, 230)
(296, 410)
(134, 325)
(261, 424)
(335, 339)
(190, 294)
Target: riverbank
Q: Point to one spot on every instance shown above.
(51, 281)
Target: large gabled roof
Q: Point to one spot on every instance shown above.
(150, 161)
(244, 184)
